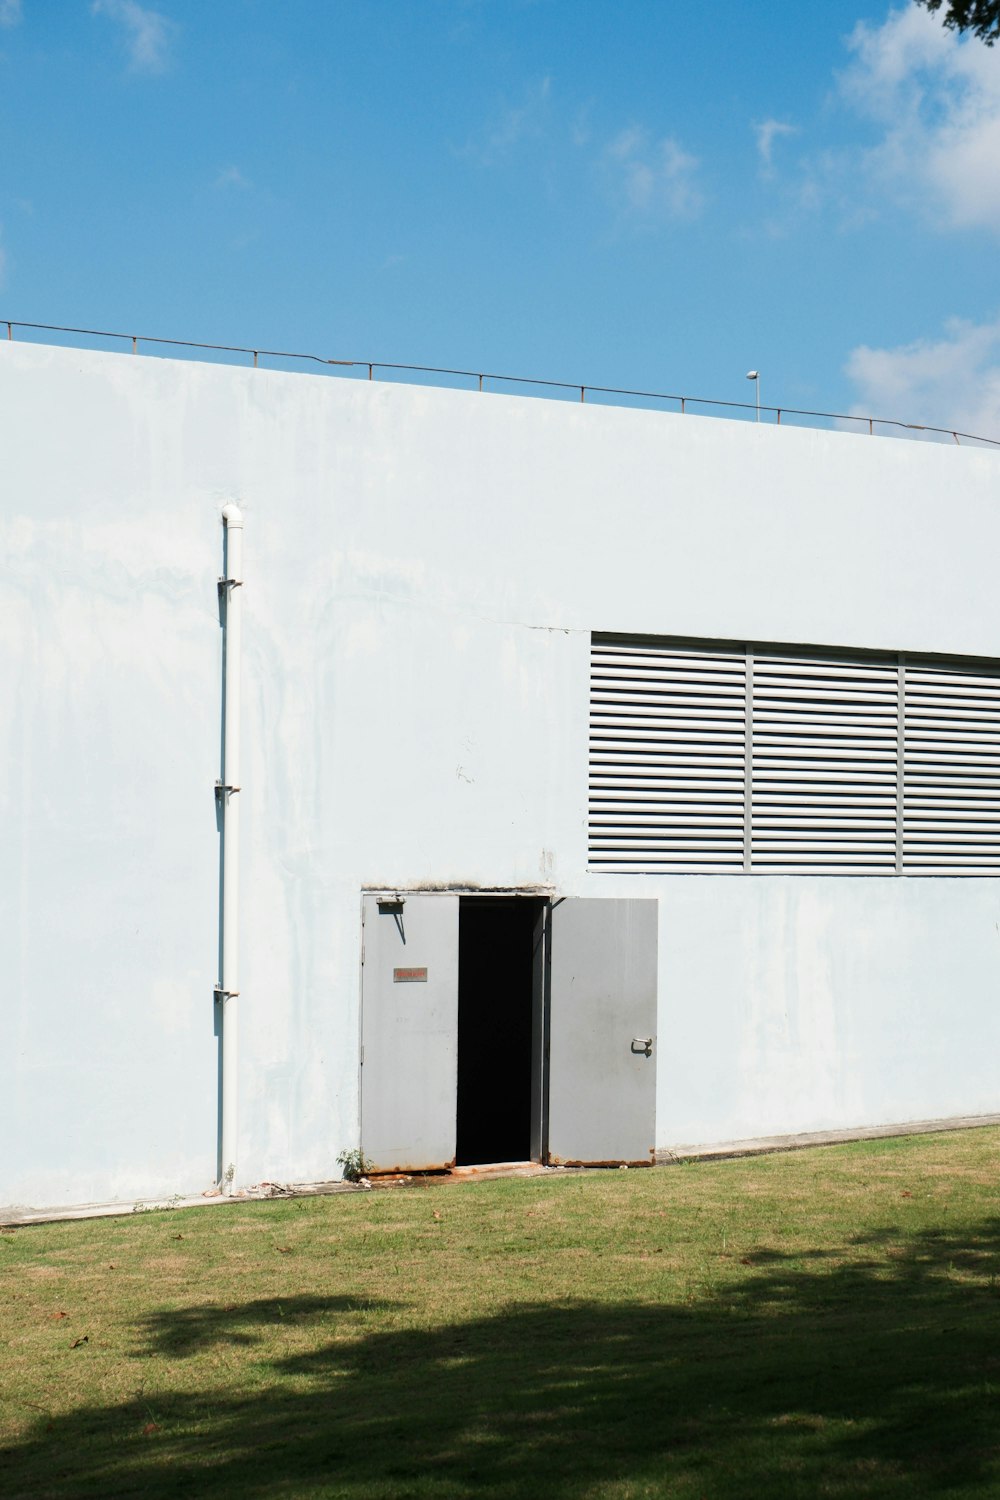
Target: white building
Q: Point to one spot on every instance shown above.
(428, 576)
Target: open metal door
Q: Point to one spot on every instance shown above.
(409, 1032)
(602, 1031)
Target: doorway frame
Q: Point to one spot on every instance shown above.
(545, 896)
(538, 1050)
(627, 930)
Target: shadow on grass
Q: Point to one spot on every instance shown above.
(793, 1378)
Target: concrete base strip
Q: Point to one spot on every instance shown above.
(13, 1217)
(760, 1145)
(16, 1215)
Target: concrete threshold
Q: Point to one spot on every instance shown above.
(454, 1175)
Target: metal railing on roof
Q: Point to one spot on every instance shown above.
(487, 379)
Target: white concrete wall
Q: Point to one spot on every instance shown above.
(423, 571)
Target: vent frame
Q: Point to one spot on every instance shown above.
(724, 757)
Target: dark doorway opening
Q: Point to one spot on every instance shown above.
(496, 985)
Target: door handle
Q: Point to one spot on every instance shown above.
(642, 1046)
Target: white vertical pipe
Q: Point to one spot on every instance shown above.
(229, 980)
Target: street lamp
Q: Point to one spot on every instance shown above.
(754, 375)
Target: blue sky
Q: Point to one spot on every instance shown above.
(623, 192)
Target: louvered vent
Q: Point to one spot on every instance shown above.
(715, 758)
(667, 758)
(951, 802)
(823, 782)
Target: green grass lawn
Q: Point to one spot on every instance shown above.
(824, 1323)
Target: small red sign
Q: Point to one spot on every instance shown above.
(409, 976)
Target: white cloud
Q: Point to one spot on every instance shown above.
(10, 12)
(648, 179)
(767, 132)
(514, 123)
(951, 382)
(232, 177)
(148, 34)
(653, 178)
(936, 101)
